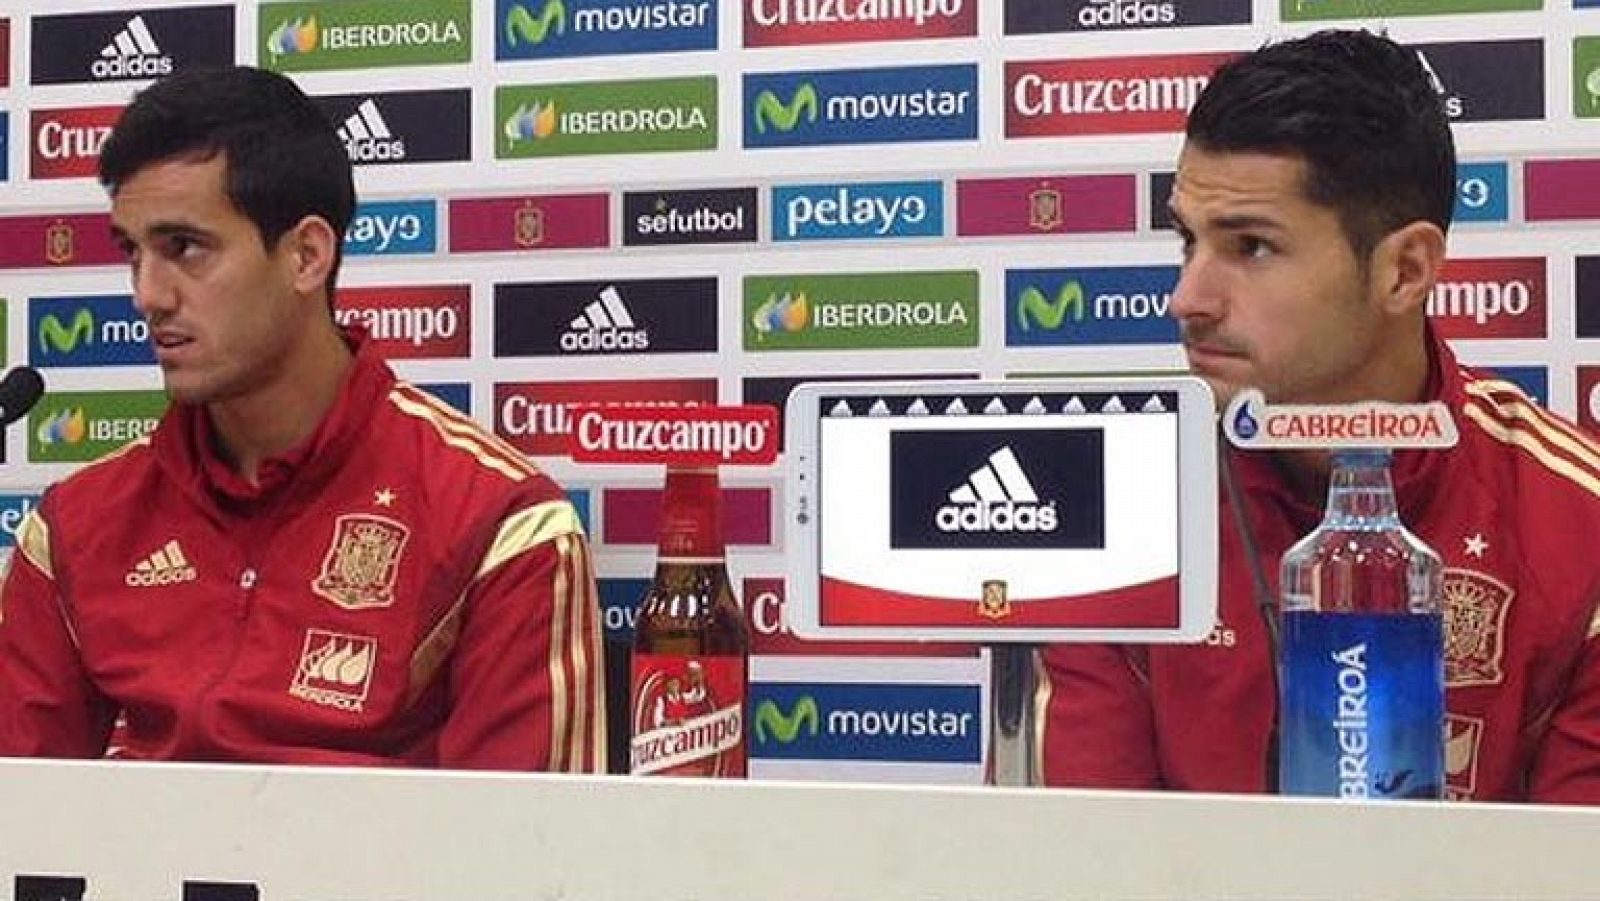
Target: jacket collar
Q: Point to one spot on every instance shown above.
(185, 447)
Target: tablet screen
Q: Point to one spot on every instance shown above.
(1000, 508)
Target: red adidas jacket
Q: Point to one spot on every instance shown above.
(402, 589)
(1513, 510)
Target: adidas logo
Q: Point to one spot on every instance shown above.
(605, 324)
(166, 566)
(367, 137)
(997, 497)
(132, 53)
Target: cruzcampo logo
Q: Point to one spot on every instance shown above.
(1035, 310)
(772, 113)
(653, 116)
(363, 34)
(772, 724)
(76, 426)
(1313, 10)
(1586, 77)
(865, 310)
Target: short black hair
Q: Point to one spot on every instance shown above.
(283, 159)
(1361, 110)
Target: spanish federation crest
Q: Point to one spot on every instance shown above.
(994, 604)
(528, 229)
(1475, 608)
(58, 243)
(362, 562)
(1044, 209)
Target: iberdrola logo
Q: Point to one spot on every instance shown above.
(524, 27)
(530, 122)
(293, 36)
(788, 313)
(65, 427)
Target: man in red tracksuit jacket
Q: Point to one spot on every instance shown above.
(306, 561)
(1312, 196)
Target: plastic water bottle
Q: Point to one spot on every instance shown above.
(1361, 664)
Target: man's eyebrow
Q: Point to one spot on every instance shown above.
(1242, 221)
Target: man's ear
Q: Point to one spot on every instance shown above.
(311, 244)
(1405, 267)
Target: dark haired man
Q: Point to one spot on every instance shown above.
(1312, 195)
(307, 560)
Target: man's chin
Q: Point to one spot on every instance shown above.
(1222, 391)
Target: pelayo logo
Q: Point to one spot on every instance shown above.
(900, 209)
(861, 106)
(861, 310)
(390, 227)
(71, 427)
(124, 46)
(1313, 10)
(1108, 305)
(537, 29)
(363, 34)
(97, 330)
(997, 488)
(912, 722)
(647, 116)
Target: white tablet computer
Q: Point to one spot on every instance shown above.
(1073, 509)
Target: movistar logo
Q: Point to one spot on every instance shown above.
(785, 728)
(1034, 308)
(785, 116)
(64, 339)
(525, 27)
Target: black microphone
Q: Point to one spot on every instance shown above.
(19, 391)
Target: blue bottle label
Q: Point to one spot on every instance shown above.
(1362, 713)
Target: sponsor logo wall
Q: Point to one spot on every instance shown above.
(690, 202)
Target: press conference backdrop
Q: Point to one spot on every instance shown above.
(684, 200)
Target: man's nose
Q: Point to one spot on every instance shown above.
(1200, 292)
(152, 288)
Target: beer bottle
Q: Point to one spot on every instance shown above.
(690, 646)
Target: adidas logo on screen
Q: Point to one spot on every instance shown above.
(132, 53)
(605, 324)
(367, 137)
(997, 497)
